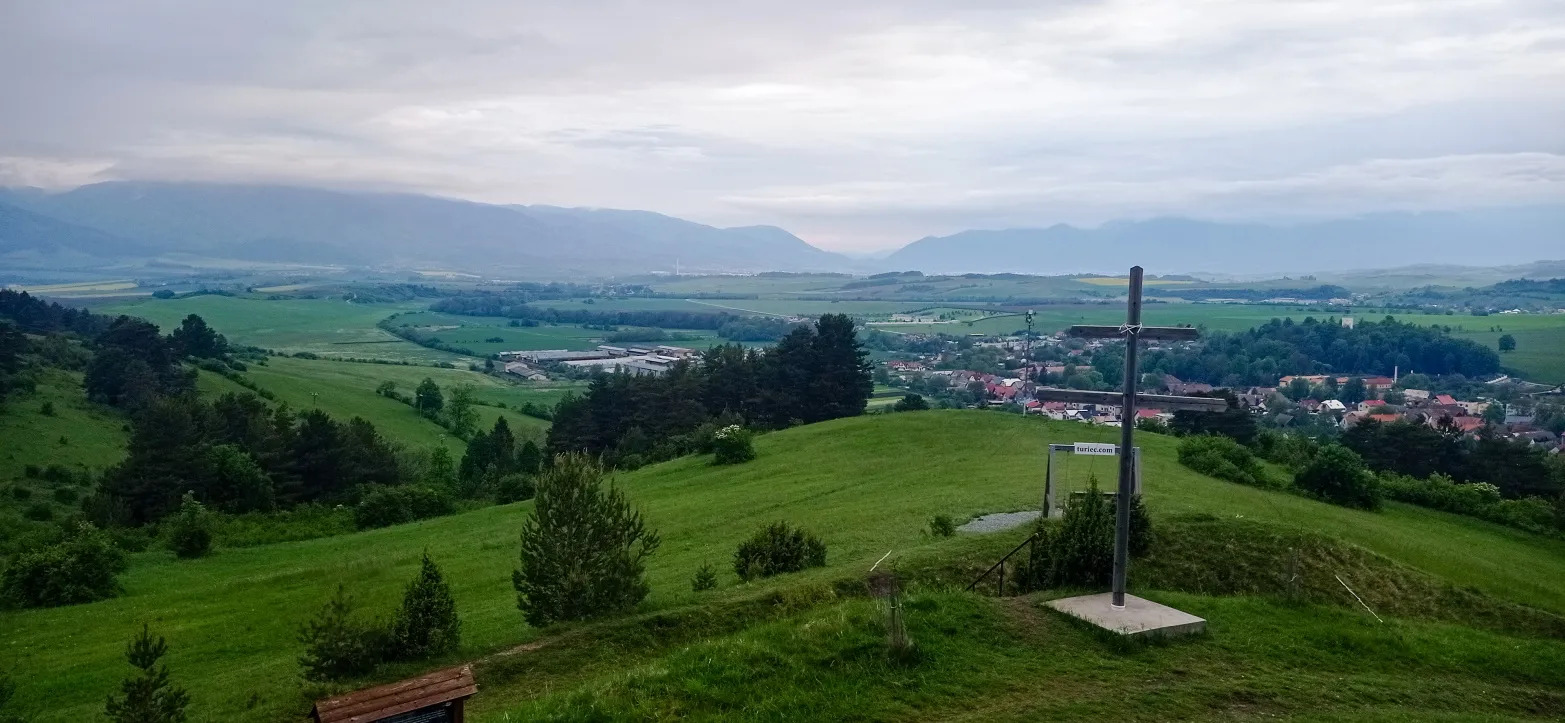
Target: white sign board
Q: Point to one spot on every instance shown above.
(1096, 448)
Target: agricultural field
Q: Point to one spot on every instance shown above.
(1540, 341)
(476, 333)
(326, 327)
(763, 307)
(84, 289)
(866, 485)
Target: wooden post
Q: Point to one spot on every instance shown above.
(1127, 427)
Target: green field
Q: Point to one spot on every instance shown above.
(868, 485)
(80, 435)
(1540, 341)
(327, 327)
(474, 332)
(347, 389)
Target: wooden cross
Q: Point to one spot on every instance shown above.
(1128, 399)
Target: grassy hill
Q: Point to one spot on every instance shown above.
(79, 434)
(347, 389)
(868, 486)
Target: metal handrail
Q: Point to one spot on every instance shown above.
(1030, 540)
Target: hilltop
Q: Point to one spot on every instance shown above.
(867, 485)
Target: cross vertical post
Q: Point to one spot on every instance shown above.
(1127, 428)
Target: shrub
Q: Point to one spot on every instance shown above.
(337, 645)
(46, 409)
(776, 549)
(1079, 550)
(20, 493)
(78, 569)
(910, 403)
(1475, 499)
(942, 526)
(1223, 458)
(1338, 475)
(384, 506)
(32, 471)
(705, 578)
(65, 496)
(584, 548)
(7, 690)
(1293, 451)
(190, 530)
(732, 445)
(513, 488)
(148, 697)
(427, 623)
(39, 512)
(1153, 425)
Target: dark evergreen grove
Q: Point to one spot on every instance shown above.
(1282, 347)
(813, 374)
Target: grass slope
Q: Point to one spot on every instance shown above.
(79, 434)
(347, 389)
(867, 485)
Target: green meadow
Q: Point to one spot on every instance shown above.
(867, 486)
(327, 327)
(347, 389)
(1540, 342)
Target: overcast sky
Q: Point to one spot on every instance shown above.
(858, 124)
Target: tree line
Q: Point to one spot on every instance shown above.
(515, 307)
(814, 373)
(1282, 347)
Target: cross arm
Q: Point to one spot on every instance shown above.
(1162, 401)
(1151, 333)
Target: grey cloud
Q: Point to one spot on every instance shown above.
(857, 124)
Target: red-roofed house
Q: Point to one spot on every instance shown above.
(1467, 425)
(1378, 384)
(1444, 399)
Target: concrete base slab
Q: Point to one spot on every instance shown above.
(1139, 618)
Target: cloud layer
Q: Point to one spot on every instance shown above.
(858, 125)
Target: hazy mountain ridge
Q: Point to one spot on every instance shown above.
(1389, 240)
(305, 225)
(261, 222)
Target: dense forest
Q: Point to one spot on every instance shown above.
(1282, 347)
(815, 373)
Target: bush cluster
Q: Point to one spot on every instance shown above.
(1475, 499)
(384, 506)
(1079, 550)
(338, 644)
(1223, 458)
(942, 526)
(1338, 475)
(79, 569)
(776, 549)
(190, 530)
(733, 444)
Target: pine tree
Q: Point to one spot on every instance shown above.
(148, 697)
(583, 549)
(336, 644)
(427, 623)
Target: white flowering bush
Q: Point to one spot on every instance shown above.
(733, 444)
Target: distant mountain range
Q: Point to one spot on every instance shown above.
(284, 224)
(127, 220)
(1171, 245)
